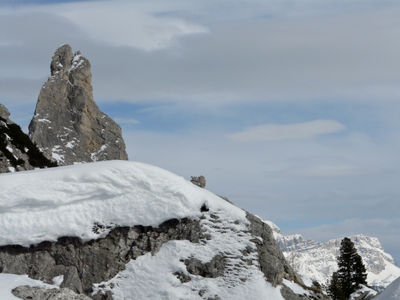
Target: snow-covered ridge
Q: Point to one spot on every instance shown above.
(317, 260)
(46, 204)
(43, 205)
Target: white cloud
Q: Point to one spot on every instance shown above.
(120, 23)
(126, 121)
(281, 132)
(333, 170)
(279, 58)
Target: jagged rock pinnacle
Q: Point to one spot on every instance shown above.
(68, 125)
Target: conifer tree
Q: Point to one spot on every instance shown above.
(360, 273)
(334, 288)
(351, 272)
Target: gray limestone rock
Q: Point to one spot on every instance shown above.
(36, 293)
(83, 264)
(199, 181)
(4, 113)
(212, 269)
(68, 125)
(273, 264)
(97, 261)
(17, 152)
(272, 261)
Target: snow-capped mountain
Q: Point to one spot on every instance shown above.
(126, 230)
(317, 260)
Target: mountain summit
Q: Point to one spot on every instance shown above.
(68, 126)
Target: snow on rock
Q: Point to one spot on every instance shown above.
(17, 152)
(154, 276)
(43, 205)
(363, 292)
(10, 281)
(392, 292)
(297, 289)
(233, 259)
(57, 281)
(317, 260)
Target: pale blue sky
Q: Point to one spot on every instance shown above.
(290, 108)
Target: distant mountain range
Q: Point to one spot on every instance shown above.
(317, 260)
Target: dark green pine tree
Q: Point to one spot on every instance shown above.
(351, 271)
(360, 273)
(335, 288)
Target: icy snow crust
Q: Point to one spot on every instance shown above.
(43, 205)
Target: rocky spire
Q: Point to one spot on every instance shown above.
(68, 126)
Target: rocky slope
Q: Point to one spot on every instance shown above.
(124, 230)
(317, 260)
(17, 152)
(392, 292)
(68, 125)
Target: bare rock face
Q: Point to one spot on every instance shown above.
(68, 126)
(82, 264)
(17, 152)
(4, 113)
(36, 293)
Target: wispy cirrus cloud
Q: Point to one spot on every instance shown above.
(282, 132)
(126, 121)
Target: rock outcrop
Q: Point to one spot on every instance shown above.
(83, 264)
(67, 125)
(200, 181)
(36, 293)
(17, 152)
